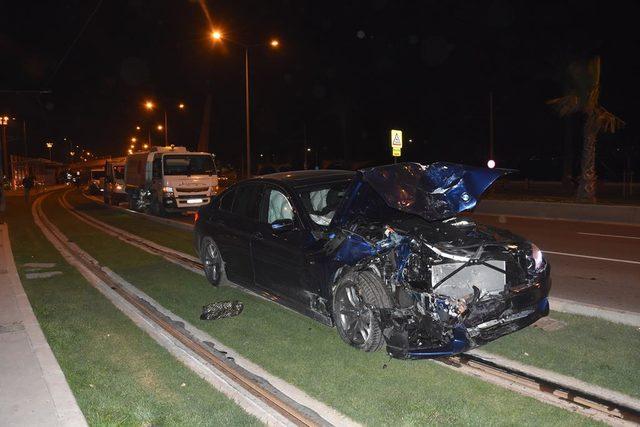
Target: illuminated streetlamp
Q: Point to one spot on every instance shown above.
(137, 127)
(149, 105)
(49, 146)
(145, 146)
(217, 36)
(134, 139)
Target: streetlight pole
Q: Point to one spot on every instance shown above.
(166, 130)
(274, 43)
(49, 146)
(247, 109)
(4, 122)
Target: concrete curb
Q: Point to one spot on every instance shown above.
(66, 407)
(626, 215)
(590, 310)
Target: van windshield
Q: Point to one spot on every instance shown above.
(189, 165)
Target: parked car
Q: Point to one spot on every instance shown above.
(381, 254)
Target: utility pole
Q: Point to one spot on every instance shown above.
(24, 136)
(246, 101)
(491, 125)
(166, 130)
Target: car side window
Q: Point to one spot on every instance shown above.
(226, 202)
(246, 201)
(279, 207)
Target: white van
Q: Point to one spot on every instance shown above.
(114, 188)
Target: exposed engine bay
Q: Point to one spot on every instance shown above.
(470, 287)
(454, 284)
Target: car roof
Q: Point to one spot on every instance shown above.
(305, 178)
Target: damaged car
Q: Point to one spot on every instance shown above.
(382, 254)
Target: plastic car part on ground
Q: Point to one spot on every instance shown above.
(221, 310)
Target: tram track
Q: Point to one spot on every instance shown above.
(277, 408)
(605, 405)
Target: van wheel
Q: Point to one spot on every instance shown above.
(211, 261)
(355, 294)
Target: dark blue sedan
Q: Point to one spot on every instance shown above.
(380, 253)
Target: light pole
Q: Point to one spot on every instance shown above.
(4, 122)
(49, 146)
(217, 36)
(150, 106)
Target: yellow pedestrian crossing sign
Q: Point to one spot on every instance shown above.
(396, 138)
(396, 142)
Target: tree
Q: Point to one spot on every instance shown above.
(583, 97)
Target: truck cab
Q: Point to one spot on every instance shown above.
(95, 185)
(170, 179)
(114, 186)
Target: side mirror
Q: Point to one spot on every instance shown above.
(282, 225)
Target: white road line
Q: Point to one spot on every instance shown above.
(626, 261)
(609, 235)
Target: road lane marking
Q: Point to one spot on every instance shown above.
(626, 261)
(609, 235)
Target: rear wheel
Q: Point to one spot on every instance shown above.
(353, 298)
(211, 261)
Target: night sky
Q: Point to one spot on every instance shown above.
(345, 73)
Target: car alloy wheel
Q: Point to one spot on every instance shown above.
(212, 261)
(354, 316)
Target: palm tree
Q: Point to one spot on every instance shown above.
(583, 97)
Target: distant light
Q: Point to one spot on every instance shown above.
(145, 146)
(181, 106)
(216, 35)
(133, 146)
(149, 105)
(160, 127)
(274, 43)
(410, 140)
(130, 151)
(134, 139)
(137, 127)
(308, 149)
(49, 145)
(491, 164)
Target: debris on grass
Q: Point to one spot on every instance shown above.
(221, 310)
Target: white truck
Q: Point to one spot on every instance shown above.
(114, 187)
(169, 179)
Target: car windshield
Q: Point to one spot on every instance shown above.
(321, 202)
(189, 165)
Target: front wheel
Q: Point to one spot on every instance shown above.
(353, 298)
(211, 261)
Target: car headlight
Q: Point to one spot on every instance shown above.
(536, 257)
(167, 189)
(118, 187)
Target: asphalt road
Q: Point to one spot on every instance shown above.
(592, 263)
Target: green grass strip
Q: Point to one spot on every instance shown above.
(367, 387)
(590, 349)
(118, 374)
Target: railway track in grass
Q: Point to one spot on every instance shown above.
(598, 403)
(276, 408)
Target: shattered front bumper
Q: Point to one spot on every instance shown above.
(525, 308)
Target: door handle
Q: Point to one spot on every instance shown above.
(258, 236)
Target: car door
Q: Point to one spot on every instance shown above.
(278, 254)
(232, 227)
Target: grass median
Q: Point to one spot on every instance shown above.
(587, 348)
(118, 374)
(368, 387)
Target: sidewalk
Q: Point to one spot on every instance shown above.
(33, 389)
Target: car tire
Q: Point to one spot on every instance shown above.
(211, 261)
(355, 322)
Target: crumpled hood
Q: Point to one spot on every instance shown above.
(433, 192)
